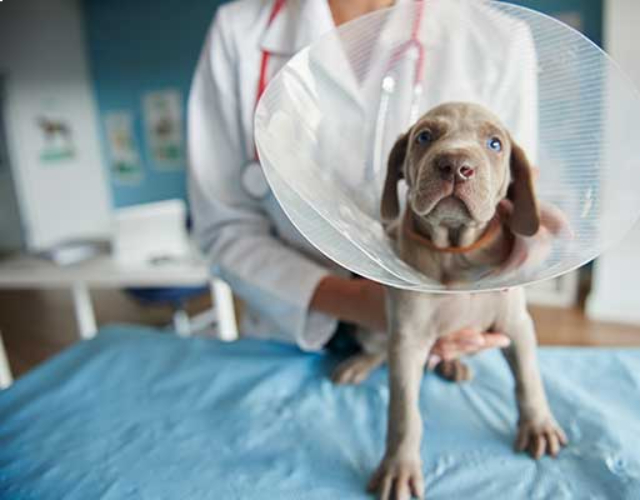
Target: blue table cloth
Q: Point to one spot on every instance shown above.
(136, 413)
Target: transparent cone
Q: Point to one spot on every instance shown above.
(326, 124)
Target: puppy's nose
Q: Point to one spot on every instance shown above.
(445, 169)
(465, 172)
(454, 168)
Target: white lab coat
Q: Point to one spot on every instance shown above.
(250, 243)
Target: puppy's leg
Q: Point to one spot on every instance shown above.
(356, 369)
(453, 370)
(399, 475)
(538, 431)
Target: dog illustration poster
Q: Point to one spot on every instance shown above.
(124, 157)
(56, 139)
(163, 112)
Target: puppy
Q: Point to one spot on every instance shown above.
(460, 164)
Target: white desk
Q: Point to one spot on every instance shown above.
(106, 272)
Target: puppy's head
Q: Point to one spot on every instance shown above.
(459, 162)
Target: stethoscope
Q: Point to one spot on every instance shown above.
(253, 179)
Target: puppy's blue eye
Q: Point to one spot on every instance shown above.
(495, 144)
(424, 137)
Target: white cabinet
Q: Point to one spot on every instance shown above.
(559, 292)
(615, 292)
(50, 122)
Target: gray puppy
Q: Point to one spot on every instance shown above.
(459, 163)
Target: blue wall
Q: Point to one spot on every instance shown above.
(136, 46)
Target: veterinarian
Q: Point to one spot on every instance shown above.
(292, 292)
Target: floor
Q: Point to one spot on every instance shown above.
(37, 324)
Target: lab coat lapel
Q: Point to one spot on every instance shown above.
(302, 22)
(299, 23)
(331, 57)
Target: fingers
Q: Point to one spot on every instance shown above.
(402, 486)
(385, 491)
(417, 486)
(445, 352)
(538, 446)
(554, 219)
(398, 480)
(494, 340)
(374, 482)
(551, 217)
(522, 441)
(467, 342)
(562, 437)
(535, 173)
(539, 439)
(552, 443)
(459, 341)
(464, 335)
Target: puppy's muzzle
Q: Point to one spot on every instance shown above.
(454, 167)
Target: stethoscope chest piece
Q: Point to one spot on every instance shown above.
(254, 182)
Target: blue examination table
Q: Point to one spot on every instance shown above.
(136, 413)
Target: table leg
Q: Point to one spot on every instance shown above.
(83, 309)
(223, 302)
(5, 370)
(182, 323)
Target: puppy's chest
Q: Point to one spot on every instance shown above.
(459, 268)
(444, 314)
(449, 268)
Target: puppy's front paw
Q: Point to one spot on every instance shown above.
(356, 369)
(454, 371)
(398, 479)
(540, 436)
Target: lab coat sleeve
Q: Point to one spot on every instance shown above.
(276, 281)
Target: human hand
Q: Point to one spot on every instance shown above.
(534, 250)
(357, 301)
(465, 343)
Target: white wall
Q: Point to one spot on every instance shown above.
(10, 224)
(616, 293)
(43, 59)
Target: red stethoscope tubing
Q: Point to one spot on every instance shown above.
(413, 42)
(264, 63)
(266, 55)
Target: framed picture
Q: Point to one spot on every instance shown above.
(163, 111)
(124, 157)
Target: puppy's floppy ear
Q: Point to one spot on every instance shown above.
(389, 206)
(525, 217)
